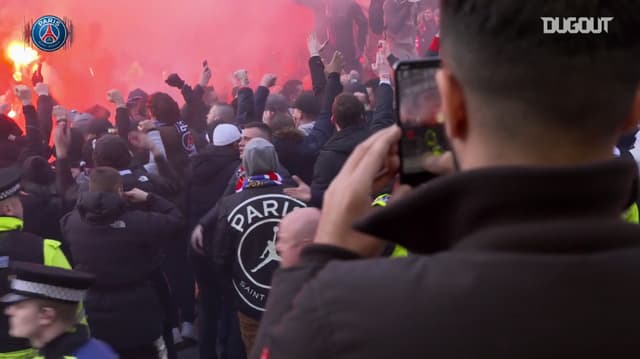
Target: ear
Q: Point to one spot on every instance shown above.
(453, 105)
(631, 123)
(47, 316)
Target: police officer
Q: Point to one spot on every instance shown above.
(21, 246)
(42, 307)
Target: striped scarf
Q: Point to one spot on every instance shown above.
(266, 180)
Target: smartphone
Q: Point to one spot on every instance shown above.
(419, 114)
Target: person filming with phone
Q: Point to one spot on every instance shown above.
(523, 252)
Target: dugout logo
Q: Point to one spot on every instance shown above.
(49, 33)
(575, 25)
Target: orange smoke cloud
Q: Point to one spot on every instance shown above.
(128, 44)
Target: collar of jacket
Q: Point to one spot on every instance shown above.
(66, 344)
(10, 224)
(347, 138)
(508, 202)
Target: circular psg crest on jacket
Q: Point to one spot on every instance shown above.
(187, 142)
(49, 33)
(257, 258)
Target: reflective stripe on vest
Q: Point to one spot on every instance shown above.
(21, 354)
(632, 215)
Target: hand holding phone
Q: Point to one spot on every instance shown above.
(419, 116)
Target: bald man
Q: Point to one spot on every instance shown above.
(297, 230)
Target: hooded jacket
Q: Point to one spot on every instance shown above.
(122, 248)
(511, 262)
(243, 250)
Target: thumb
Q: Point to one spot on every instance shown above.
(298, 180)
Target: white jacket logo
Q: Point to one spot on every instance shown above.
(257, 220)
(575, 25)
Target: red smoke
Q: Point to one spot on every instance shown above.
(130, 43)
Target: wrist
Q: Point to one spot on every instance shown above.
(385, 79)
(121, 105)
(26, 103)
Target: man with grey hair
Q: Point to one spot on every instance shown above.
(245, 228)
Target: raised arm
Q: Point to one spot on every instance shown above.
(45, 107)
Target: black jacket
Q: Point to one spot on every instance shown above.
(245, 227)
(208, 176)
(509, 262)
(331, 158)
(122, 248)
(297, 158)
(339, 147)
(43, 208)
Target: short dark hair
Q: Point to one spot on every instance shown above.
(227, 115)
(104, 179)
(164, 108)
(290, 88)
(268, 133)
(277, 103)
(518, 78)
(67, 313)
(112, 151)
(348, 110)
(281, 121)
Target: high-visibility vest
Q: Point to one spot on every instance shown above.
(381, 201)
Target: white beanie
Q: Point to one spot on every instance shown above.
(225, 134)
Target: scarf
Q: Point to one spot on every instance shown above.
(267, 180)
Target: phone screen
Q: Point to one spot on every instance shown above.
(420, 116)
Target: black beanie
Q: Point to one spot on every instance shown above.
(111, 151)
(36, 169)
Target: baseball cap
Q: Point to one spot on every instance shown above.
(225, 134)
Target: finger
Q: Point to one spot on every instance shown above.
(377, 152)
(324, 45)
(362, 149)
(299, 180)
(198, 247)
(400, 192)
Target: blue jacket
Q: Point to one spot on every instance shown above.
(76, 344)
(95, 349)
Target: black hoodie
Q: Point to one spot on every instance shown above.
(122, 248)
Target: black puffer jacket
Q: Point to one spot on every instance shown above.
(122, 248)
(43, 209)
(331, 158)
(208, 176)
